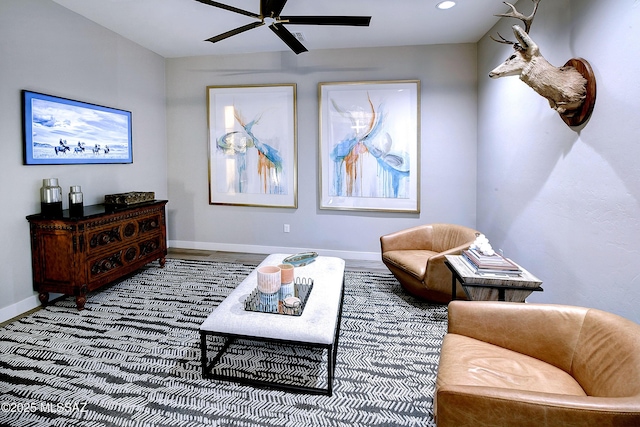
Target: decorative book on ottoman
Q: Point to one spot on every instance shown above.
(128, 199)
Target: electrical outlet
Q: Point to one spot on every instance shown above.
(287, 228)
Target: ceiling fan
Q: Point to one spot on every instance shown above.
(270, 10)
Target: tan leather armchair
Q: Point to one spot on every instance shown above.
(415, 256)
(513, 364)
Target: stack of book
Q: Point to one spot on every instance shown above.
(493, 264)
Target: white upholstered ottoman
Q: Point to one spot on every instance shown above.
(318, 326)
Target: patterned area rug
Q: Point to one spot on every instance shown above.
(132, 358)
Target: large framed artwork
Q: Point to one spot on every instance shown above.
(252, 145)
(63, 131)
(369, 145)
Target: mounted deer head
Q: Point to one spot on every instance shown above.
(566, 88)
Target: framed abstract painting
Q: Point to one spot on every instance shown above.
(60, 131)
(370, 145)
(253, 145)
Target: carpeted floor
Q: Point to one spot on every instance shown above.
(132, 358)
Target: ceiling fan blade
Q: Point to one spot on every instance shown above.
(271, 8)
(234, 32)
(230, 8)
(288, 38)
(356, 21)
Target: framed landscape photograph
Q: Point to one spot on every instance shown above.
(370, 146)
(252, 145)
(62, 131)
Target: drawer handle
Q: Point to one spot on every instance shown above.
(106, 264)
(148, 247)
(149, 224)
(105, 237)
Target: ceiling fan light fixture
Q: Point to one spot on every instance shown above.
(270, 14)
(444, 5)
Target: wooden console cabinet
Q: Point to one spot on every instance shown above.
(74, 256)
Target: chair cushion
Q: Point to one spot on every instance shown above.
(476, 363)
(413, 262)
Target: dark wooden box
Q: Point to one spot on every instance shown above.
(128, 199)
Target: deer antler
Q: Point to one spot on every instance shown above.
(516, 45)
(527, 20)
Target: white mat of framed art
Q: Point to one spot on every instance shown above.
(370, 145)
(252, 145)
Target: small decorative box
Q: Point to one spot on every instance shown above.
(128, 199)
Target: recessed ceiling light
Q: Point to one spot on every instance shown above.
(443, 5)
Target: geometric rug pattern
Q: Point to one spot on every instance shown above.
(132, 358)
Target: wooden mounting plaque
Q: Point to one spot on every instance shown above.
(581, 115)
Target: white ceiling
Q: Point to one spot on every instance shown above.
(177, 28)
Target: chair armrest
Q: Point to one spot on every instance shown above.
(488, 406)
(437, 272)
(415, 238)
(453, 251)
(547, 332)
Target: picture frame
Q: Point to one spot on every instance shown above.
(370, 145)
(61, 131)
(253, 145)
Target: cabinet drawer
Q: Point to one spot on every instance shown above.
(114, 235)
(124, 259)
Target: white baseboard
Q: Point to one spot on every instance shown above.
(21, 307)
(255, 249)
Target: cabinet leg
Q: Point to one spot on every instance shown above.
(80, 301)
(44, 298)
(162, 262)
(81, 297)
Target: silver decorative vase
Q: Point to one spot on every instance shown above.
(51, 198)
(76, 206)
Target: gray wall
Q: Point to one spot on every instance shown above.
(48, 49)
(565, 202)
(448, 149)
